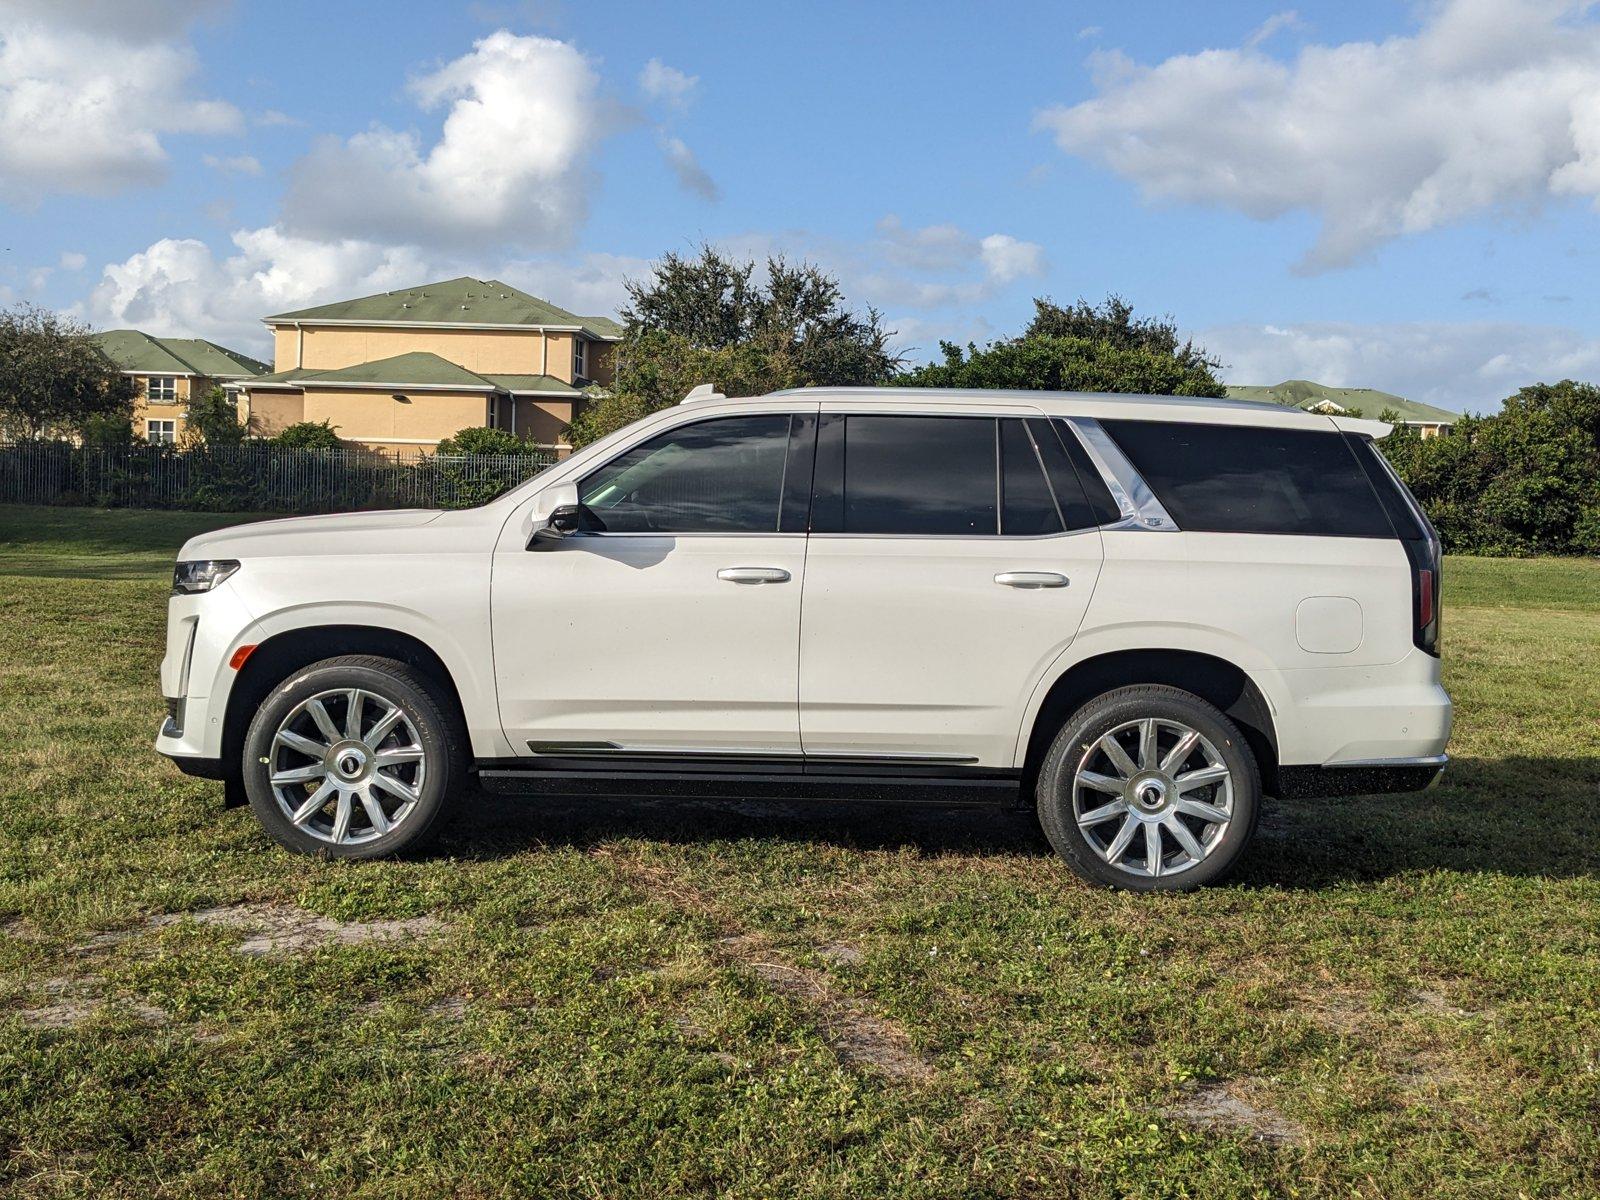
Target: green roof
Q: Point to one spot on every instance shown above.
(289, 376)
(1369, 402)
(417, 369)
(135, 350)
(533, 383)
(464, 301)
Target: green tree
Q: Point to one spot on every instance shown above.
(481, 439)
(712, 319)
(309, 435)
(1523, 481)
(1084, 348)
(213, 420)
(54, 382)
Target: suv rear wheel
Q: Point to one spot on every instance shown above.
(351, 757)
(1149, 788)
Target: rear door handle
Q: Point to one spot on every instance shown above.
(754, 575)
(1032, 579)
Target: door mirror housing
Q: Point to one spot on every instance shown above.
(556, 515)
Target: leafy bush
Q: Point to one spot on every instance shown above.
(309, 435)
(483, 440)
(1524, 481)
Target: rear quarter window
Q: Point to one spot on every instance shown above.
(1240, 479)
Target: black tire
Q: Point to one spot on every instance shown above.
(438, 734)
(1078, 739)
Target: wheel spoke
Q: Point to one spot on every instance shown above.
(299, 775)
(1147, 744)
(1104, 813)
(381, 728)
(341, 816)
(352, 715)
(1194, 779)
(1180, 831)
(1118, 756)
(1179, 754)
(303, 744)
(393, 758)
(375, 813)
(1152, 849)
(1102, 783)
(313, 804)
(1199, 808)
(325, 724)
(392, 785)
(1124, 836)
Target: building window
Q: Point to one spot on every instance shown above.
(580, 358)
(162, 389)
(161, 433)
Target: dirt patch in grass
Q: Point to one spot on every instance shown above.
(857, 1035)
(73, 1000)
(1231, 1106)
(278, 928)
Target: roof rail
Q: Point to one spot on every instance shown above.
(703, 391)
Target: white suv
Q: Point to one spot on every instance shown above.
(1138, 613)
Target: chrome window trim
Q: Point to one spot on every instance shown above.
(1140, 508)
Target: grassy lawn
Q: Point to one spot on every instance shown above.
(1394, 997)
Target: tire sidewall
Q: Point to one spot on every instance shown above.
(1105, 713)
(399, 686)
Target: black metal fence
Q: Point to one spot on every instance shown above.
(255, 477)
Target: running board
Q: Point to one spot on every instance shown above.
(724, 779)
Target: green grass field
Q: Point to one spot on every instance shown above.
(1394, 997)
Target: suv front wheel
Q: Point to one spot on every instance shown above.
(351, 757)
(1149, 788)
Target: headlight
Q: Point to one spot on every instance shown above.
(201, 576)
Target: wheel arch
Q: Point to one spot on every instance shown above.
(1215, 680)
(275, 659)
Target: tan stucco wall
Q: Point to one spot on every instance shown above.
(144, 411)
(543, 420)
(488, 351)
(603, 363)
(371, 415)
(271, 412)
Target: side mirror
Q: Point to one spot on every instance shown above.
(557, 514)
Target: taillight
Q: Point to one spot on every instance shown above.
(1424, 556)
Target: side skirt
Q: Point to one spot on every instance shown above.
(738, 777)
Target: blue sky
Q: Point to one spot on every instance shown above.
(1380, 195)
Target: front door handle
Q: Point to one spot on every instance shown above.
(1032, 579)
(754, 575)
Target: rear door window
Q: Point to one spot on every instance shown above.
(1243, 479)
(908, 475)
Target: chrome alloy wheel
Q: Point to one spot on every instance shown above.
(347, 766)
(1152, 797)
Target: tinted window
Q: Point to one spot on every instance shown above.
(1235, 479)
(906, 475)
(1027, 505)
(720, 476)
(1083, 496)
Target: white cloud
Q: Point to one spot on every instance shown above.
(1006, 259)
(662, 84)
(1491, 104)
(943, 264)
(180, 287)
(273, 117)
(1466, 366)
(687, 168)
(238, 164)
(72, 260)
(1274, 25)
(511, 166)
(88, 91)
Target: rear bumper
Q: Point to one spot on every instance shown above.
(1371, 778)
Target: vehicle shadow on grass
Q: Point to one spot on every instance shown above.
(1518, 817)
